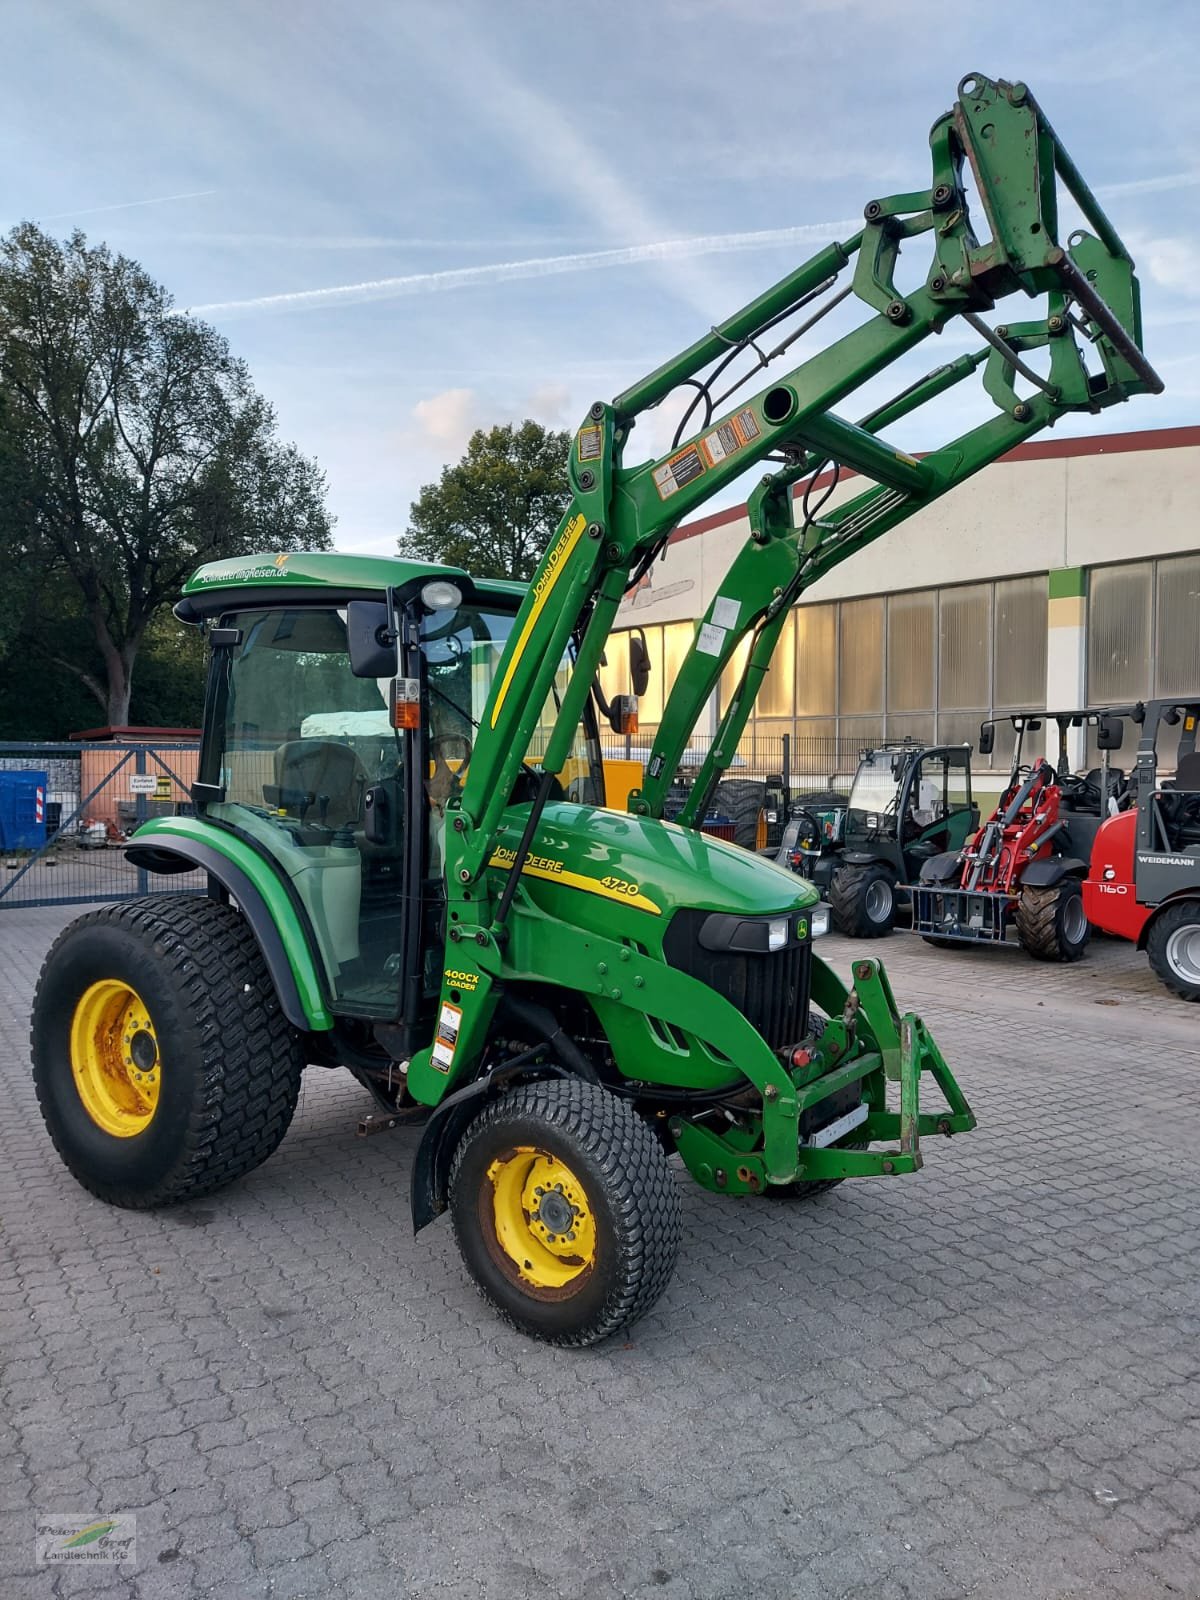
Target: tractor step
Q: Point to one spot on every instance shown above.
(965, 915)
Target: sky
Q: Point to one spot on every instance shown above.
(416, 219)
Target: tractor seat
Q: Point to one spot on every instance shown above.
(1180, 805)
(320, 783)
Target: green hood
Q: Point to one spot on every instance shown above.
(587, 864)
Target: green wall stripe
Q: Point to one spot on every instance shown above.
(1068, 583)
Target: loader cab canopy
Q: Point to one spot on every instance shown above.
(300, 758)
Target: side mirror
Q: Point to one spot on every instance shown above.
(639, 663)
(372, 653)
(1034, 725)
(1110, 733)
(987, 738)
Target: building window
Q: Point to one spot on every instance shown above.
(1177, 626)
(1119, 631)
(777, 693)
(860, 656)
(910, 654)
(1019, 652)
(816, 660)
(965, 647)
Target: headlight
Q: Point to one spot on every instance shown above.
(818, 921)
(724, 931)
(441, 595)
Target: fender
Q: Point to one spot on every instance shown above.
(1045, 874)
(181, 844)
(864, 858)
(1157, 911)
(435, 1154)
(943, 869)
(429, 1191)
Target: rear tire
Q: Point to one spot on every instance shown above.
(565, 1211)
(1173, 945)
(162, 1062)
(1051, 924)
(742, 800)
(863, 901)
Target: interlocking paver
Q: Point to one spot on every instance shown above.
(983, 1381)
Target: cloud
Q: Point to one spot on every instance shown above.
(417, 283)
(550, 405)
(448, 420)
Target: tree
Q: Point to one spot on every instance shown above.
(494, 512)
(134, 446)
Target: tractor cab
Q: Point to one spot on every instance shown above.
(340, 773)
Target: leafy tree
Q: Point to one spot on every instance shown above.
(494, 512)
(133, 447)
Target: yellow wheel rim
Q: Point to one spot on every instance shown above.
(114, 1058)
(542, 1218)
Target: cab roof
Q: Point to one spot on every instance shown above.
(282, 579)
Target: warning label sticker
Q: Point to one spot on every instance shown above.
(680, 469)
(589, 443)
(725, 612)
(710, 641)
(729, 437)
(442, 1054)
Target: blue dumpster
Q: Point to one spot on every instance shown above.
(22, 810)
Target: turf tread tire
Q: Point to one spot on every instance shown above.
(848, 901)
(742, 800)
(1038, 922)
(624, 1168)
(1169, 921)
(237, 1059)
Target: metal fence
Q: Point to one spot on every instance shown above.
(798, 766)
(65, 847)
(83, 800)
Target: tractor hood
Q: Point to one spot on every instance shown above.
(586, 862)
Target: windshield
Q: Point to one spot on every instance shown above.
(462, 655)
(873, 795)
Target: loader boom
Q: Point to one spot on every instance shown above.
(620, 517)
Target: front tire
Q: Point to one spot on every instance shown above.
(1173, 945)
(863, 901)
(1051, 923)
(565, 1211)
(162, 1062)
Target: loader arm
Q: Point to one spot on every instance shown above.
(620, 517)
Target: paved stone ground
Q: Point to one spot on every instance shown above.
(983, 1380)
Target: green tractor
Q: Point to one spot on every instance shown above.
(400, 809)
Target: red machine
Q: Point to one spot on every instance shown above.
(1025, 865)
(1144, 880)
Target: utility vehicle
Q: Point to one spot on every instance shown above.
(400, 804)
(908, 802)
(1143, 883)
(1024, 869)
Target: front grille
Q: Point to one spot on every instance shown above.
(769, 988)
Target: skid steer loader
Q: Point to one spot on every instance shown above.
(400, 806)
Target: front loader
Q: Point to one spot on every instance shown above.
(1025, 867)
(400, 804)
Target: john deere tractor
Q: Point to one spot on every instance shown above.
(400, 804)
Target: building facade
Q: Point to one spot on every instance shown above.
(1066, 574)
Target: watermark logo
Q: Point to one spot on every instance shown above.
(65, 1537)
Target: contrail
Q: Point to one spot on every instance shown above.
(1168, 180)
(534, 267)
(127, 205)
